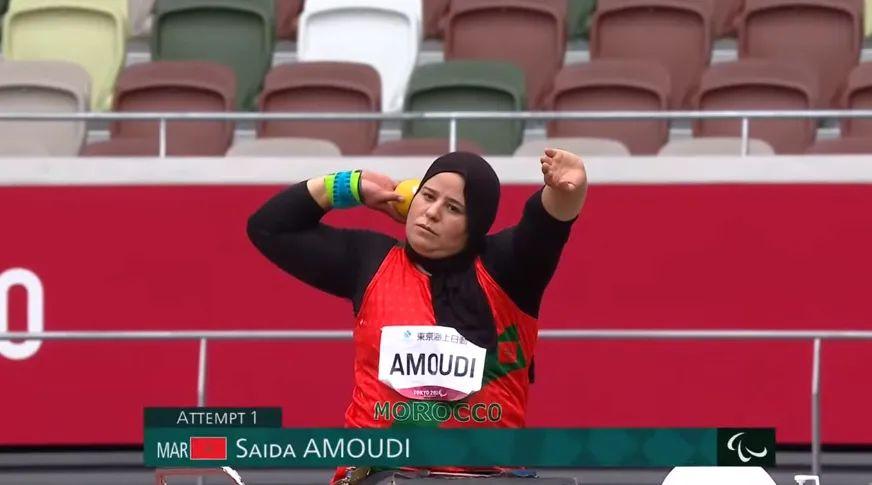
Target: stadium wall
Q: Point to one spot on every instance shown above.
(663, 243)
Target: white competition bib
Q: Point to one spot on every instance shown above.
(429, 362)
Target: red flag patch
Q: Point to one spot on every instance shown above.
(208, 447)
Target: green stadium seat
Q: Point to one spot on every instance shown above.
(91, 33)
(578, 17)
(468, 86)
(237, 34)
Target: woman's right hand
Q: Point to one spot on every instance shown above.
(377, 192)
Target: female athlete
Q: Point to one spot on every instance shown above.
(446, 320)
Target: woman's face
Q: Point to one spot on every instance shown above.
(436, 224)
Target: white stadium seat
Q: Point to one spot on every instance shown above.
(383, 33)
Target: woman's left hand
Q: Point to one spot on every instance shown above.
(563, 171)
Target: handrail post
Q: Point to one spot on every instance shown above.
(162, 138)
(201, 384)
(745, 136)
(452, 134)
(816, 409)
(201, 375)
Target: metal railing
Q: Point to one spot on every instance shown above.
(203, 336)
(451, 117)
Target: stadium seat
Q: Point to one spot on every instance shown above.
(123, 147)
(591, 147)
(91, 33)
(578, 16)
(22, 148)
(757, 84)
(675, 33)
(858, 95)
(424, 147)
(614, 85)
(823, 34)
(43, 87)
(867, 15)
(715, 145)
(287, 14)
(237, 34)
(4, 5)
(320, 87)
(177, 86)
(842, 146)
(434, 12)
(468, 86)
(561, 7)
(139, 14)
(577, 13)
(532, 35)
(718, 475)
(383, 33)
(724, 17)
(284, 147)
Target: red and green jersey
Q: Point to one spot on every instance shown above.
(399, 294)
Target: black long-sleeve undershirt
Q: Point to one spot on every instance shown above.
(288, 231)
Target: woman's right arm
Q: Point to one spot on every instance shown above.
(287, 230)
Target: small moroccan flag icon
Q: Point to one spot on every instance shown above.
(208, 447)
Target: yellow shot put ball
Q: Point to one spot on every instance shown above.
(407, 189)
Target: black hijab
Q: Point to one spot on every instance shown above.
(458, 299)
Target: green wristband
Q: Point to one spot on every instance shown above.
(329, 182)
(355, 185)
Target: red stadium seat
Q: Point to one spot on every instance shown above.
(725, 15)
(675, 33)
(532, 35)
(842, 146)
(177, 86)
(434, 16)
(613, 86)
(757, 84)
(323, 86)
(287, 12)
(284, 147)
(424, 147)
(826, 35)
(858, 95)
(123, 147)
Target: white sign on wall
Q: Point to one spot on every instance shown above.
(35, 311)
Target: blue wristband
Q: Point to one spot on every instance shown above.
(343, 197)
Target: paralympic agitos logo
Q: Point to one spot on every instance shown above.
(746, 447)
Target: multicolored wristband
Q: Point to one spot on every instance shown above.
(343, 189)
